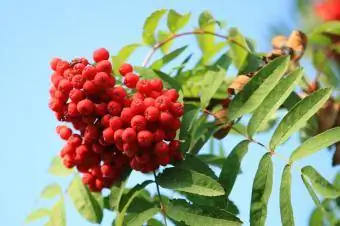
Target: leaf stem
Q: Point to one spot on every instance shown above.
(160, 199)
(195, 32)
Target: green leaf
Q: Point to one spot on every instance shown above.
(298, 116)
(190, 181)
(51, 191)
(311, 192)
(158, 64)
(314, 144)
(212, 81)
(258, 88)
(191, 162)
(154, 222)
(323, 64)
(331, 27)
(286, 210)
(37, 215)
(58, 215)
(205, 19)
(202, 134)
(123, 54)
(316, 219)
(195, 215)
(140, 218)
(320, 184)
(177, 21)
(262, 188)
(150, 26)
(162, 36)
(84, 201)
(127, 200)
(58, 169)
(232, 166)
(238, 50)
(212, 159)
(273, 101)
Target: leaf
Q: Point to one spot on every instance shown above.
(273, 101)
(123, 54)
(162, 37)
(262, 188)
(84, 201)
(298, 116)
(158, 64)
(150, 26)
(286, 210)
(37, 215)
(314, 144)
(177, 21)
(190, 181)
(51, 191)
(58, 169)
(127, 200)
(154, 222)
(212, 81)
(205, 133)
(195, 215)
(212, 159)
(320, 184)
(58, 215)
(238, 50)
(232, 166)
(316, 219)
(140, 218)
(258, 88)
(331, 27)
(311, 192)
(191, 162)
(323, 64)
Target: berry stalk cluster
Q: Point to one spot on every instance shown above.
(115, 127)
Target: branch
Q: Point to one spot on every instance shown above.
(160, 199)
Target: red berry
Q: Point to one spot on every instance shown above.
(68, 161)
(148, 102)
(55, 105)
(76, 95)
(56, 78)
(65, 133)
(68, 74)
(101, 109)
(54, 63)
(154, 94)
(90, 88)
(130, 149)
(159, 135)
(177, 109)
(152, 114)
(104, 66)
(166, 119)
(176, 124)
(127, 115)
(78, 81)
(118, 136)
(127, 102)
(131, 80)
(85, 107)
(65, 86)
(100, 54)
(62, 66)
(72, 110)
(129, 135)
(143, 86)
(89, 72)
(114, 108)
(102, 79)
(99, 185)
(117, 93)
(78, 68)
(125, 69)
(145, 138)
(108, 135)
(162, 103)
(170, 135)
(172, 94)
(88, 178)
(138, 96)
(107, 170)
(161, 148)
(105, 120)
(143, 158)
(97, 148)
(156, 84)
(116, 123)
(138, 123)
(163, 160)
(174, 146)
(137, 106)
(91, 134)
(74, 140)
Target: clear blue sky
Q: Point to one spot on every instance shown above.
(32, 32)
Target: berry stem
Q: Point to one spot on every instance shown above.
(160, 199)
(195, 32)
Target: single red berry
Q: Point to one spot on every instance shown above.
(114, 108)
(118, 134)
(76, 95)
(148, 102)
(97, 148)
(126, 115)
(138, 96)
(166, 119)
(177, 109)
(78, 81)
(161, 148)
(72, 110)
(101, 109)
(65, 86)
(68, 74)
(99, 185)
(125, 69)
(78, 68)
(107, 170)
(91, 134)
(172, 94)
(100, 54)
(61, 96)
(89, 119)
(143, 86)
(62, 65)
(84, 61)
(127, 102)
(90, 88)
(74, 140)
(56, 78)
(54, 63)
(130, 149)
(143, 158)
(162, 103)
(116, 123)
(131, 80)
(65, 133)
(138, 123)
(159, 135)
(152, 114)
(82, 150)
(104, 66)
(156, 84)
(88, 178)
(105, 120)
(108, 135)
(102, 79)
(154, 94)
(163, 160)
(56, 105)
(68, 161)
(89, 72)
(85, 107)
(129, 135)
(176, 124)
(137, 106)
(174, 146)
(67, 150)
(117, 93)
(145, 138)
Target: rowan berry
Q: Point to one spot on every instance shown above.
(100, 54)
(125, 69)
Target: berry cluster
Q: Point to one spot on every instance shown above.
(115, 127)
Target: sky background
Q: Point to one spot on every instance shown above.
(32, 32)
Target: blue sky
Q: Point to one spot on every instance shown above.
(32, 32)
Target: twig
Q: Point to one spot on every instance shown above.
(160, 199)
(196, 32)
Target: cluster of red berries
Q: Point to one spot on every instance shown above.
(115, 127)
